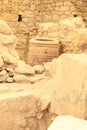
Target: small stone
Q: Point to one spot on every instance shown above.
(3, 78)
(9, 59)
(9, 80)
(35, 78)
(11, 74)
(19, 78)
(39, 69)
(9, 69)
(3, 72)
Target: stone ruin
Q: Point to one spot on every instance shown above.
(12, 68)
(32, 96)
(71, 34)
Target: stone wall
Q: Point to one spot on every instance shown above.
(54, 10)
(24, 15)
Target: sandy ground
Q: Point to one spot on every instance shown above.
(41, 89)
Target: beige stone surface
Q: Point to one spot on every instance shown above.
(73, 23)
(19, 78)
(3, 72)
(70, 86)
(14, 116)
(23, 103)
(39, 69)
(4, 28)
(1, 62)
(66, 89)
(51, 67)
(24, 68)
(6, 39)
(9, 80)
(68, 122)
(80, 38)
(67, 31)
(35, 78)
(7, 45)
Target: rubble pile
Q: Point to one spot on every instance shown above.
(69, 32)
(12, 69)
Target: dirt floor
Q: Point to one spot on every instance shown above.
(40, 89)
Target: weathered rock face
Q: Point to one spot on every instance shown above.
(68, 122)
(21, 111)
(70, 86)
(17, 113)
(4, 28)
(79, 40)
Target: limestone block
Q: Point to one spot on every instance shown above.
(50, 67)
(36, 2)
(56, 18)
(3, 78)
(32, 123)
(12, 17)
(9, 69)
(4, 28)
(22, 28)
(70, 83)
(14, 107)
(24, 68)
(67, 3)
(25, 2)
(64, 8)
(39, 69)
(9, 80)
(5, 1)
(12, 51)
(48, 18)
(19, 78)
(42, 104)
(35, 78)
(3, 72)
(8, 58)
(80, 38)
(11, 74)
(72, 23)
(41, 125)
(68, 122)
(6, 39)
